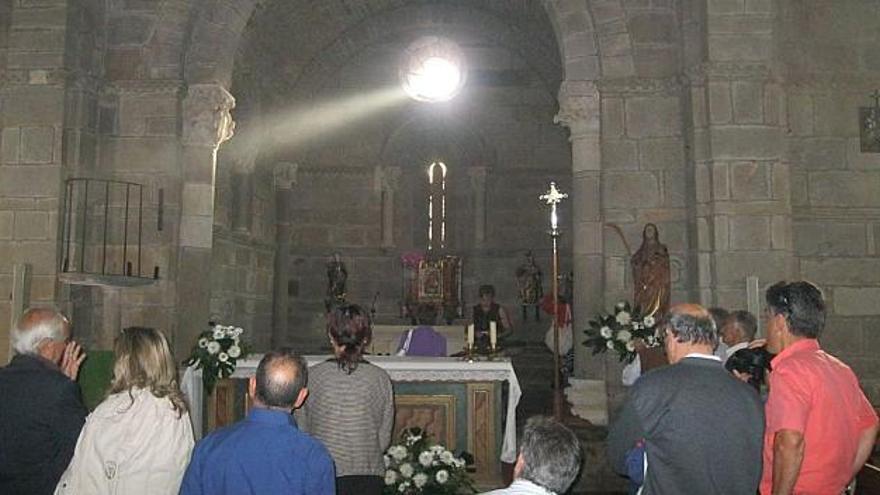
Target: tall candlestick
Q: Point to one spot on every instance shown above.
(470, 336)
(493, 333)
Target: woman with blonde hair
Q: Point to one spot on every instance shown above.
(139, 439)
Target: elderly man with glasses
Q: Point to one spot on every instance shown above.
(41, 413)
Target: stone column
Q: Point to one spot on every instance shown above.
(478, 183)
(579, 111)
(387, 182)
(242, 154)
(206, 125)
(742, 182)
(285, 176)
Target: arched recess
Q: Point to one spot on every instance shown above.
(417, 143)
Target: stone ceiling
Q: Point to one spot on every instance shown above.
(296, 47)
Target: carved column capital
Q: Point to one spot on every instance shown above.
(578, 107)
(206, 118)
(285, 175)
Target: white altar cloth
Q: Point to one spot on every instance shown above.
(400, 369)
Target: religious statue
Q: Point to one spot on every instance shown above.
(336, 278)
(528, 275)
(651, 280)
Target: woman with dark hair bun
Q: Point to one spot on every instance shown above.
(351, 405)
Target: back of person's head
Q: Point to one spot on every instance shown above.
(486, 290)
(35, 326)
(746, 322)
(551, 454)
(143, 359)
(426, 314)
(281, 375)
(754, 362)
(802, 305)
(719, 315)
(692, 324)
(350, 328)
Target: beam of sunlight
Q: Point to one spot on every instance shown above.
(301, 124)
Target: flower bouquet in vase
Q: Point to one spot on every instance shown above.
(216, 353)
(415, 465)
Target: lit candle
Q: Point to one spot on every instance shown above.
(493, 333)
(470, 336)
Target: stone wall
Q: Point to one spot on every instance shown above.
(243, 252)
(835, 187)
(31, 164)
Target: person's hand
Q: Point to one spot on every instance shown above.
(757, 343)
(72, 359)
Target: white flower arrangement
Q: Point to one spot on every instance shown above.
(416, 465)
(216, 353)
(621, 330)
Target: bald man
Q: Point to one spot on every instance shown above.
(265, 452)
(41, 413)
(702, 428)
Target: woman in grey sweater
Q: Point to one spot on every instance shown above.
(351, 405)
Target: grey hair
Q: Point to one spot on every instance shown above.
(551, 454)
(694, 329)
(31, 330)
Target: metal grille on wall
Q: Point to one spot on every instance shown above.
(102, 229)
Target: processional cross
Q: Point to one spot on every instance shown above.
(553, 197)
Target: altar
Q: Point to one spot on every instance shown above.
(458, 402)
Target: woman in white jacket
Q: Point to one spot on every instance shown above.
(139, 439)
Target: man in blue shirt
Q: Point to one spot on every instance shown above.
(266, 452)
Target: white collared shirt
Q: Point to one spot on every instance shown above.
(521, 487)
(736, 347)
(703, 356)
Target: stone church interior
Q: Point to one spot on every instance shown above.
(176, 164)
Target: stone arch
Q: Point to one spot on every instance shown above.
(592, 38)
(380, 28)
(426, 140)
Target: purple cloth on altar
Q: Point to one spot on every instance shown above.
(425, 341)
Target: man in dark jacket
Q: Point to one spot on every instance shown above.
(41, 412)
(702, 428)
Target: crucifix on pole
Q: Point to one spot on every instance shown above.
(553, 197)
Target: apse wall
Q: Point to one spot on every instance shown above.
(499, 143)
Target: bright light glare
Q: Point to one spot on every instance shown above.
(435, 79)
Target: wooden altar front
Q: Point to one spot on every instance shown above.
(459, 403)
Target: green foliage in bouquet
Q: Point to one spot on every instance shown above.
(216, 353)
(416, 465)
(621, 330)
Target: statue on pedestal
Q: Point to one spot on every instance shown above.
(651, 274)
(531, 288)
(337, 275)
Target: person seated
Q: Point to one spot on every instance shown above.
(423, 340)
(265, 452)
(41, 413)
(548, 462)
(737, 332)
(139, 439)
(485, 312)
